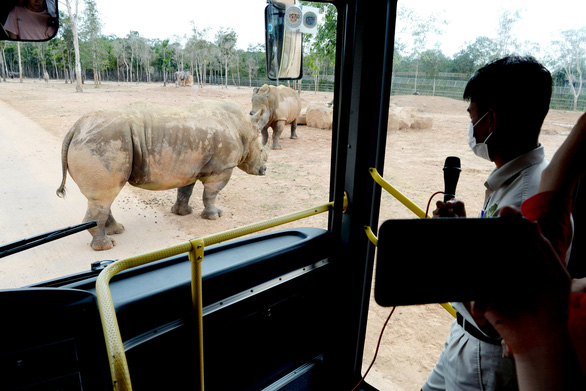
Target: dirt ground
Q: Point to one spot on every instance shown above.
(35, 116)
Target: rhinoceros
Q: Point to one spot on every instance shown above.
(157, 148)
(281, 105)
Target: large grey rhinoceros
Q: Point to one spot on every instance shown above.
(157, 148)
(281, 105)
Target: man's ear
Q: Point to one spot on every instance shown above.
(492, 120)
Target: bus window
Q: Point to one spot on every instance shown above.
(438, 47)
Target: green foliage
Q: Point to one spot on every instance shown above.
(323, 44)
(134, 57)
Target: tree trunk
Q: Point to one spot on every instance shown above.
(3, 65)
(226, 73)
(238, 68)
(78, 86)
(129, 66)
(65, 73)
(19, 62)
(57, 76)
(416, 73)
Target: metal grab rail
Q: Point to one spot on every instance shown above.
(195, 249)
(397, 194)
(411, 206)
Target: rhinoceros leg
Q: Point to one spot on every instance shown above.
(265, 135)
(277, 131)
(294, 129)
(112, 226)
(99, 211)
(181, 206)
(212, 185)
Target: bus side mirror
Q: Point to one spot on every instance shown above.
(283, 42)
(42, 26)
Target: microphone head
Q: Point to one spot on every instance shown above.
(451, 175)
(452, 162)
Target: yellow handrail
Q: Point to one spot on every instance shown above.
(397, 194)
(194, 248)
(411, 206)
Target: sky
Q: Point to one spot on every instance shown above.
(467, 19)
(540, 21)
(119, 17)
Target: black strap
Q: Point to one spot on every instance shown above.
(476, 333)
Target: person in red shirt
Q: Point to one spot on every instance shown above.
(546, 330)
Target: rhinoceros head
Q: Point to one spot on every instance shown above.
(262, 99)
(255, 160)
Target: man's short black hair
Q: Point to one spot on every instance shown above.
(517, 88)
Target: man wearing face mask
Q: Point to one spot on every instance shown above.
(509, 99)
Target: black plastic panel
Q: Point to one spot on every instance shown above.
(266, 307)
(51, 340)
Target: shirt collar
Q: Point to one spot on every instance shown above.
(499, 176)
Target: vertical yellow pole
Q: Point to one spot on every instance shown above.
(195, 257)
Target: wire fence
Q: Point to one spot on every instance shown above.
(562, 96)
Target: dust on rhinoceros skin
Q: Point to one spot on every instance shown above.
(157, 148)
(281, 106)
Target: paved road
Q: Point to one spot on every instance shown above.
(30, 172)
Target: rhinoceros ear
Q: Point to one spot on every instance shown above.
(256, 117)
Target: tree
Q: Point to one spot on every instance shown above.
(506, 43)
(3, 68)
(481, 51)
(313, 61)
(40, 49)
(324, 42)
(431, 62)
(198, 50)
(74, 20)
(419, 28)
(92, 30)
(132, 40)
(570, 58)
(165, 55)
(226, 42)
(65, 46)
(252, 68)
(19, 62)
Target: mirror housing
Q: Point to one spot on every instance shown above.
(284, 42)
(29, 20)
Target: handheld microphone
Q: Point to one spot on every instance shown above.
(451, 175)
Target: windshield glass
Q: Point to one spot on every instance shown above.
(109, 54)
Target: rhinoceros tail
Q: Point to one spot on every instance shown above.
(64, 149)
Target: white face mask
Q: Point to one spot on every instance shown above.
(479, 149)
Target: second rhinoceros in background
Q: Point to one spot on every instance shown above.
(281, 105)
(157, 148)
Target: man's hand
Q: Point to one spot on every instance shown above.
(451, 208)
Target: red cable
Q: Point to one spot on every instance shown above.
(376, 351)
(429, 202)
(391, 314)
